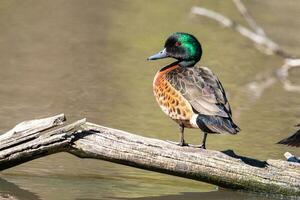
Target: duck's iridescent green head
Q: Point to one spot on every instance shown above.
(182, 46)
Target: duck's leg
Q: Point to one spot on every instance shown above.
(181, 139)
(203, 141)
(201, 146)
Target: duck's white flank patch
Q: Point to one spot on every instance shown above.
(193, 121)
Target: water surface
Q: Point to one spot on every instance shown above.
(88, 59)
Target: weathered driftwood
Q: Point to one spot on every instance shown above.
(26, 141)
(87, 140)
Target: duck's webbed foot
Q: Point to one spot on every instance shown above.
(181, 143)
(201, 146)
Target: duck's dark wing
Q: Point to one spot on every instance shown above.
(293, 140)
(202, 89)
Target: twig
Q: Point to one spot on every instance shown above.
(252, 23)
(283, 74)
(258, 36)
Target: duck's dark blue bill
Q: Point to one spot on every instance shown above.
(159, 55)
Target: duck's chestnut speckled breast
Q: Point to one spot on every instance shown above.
(170, 100)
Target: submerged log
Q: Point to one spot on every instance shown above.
(87, 140)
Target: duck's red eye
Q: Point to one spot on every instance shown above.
(177, 44)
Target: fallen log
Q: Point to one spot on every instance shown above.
(87, 140)
(27, 140)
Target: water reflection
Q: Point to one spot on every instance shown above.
(220, 195)
(9, 190)
(83, 186)
(88, 59)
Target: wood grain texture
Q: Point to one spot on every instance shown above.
(225, 169)
(28, 145)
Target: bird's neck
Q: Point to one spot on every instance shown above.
(163, 71)
(187, 63)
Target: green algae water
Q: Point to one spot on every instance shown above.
(88, 59)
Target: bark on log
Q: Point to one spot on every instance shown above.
(225, 169)
(28, 142)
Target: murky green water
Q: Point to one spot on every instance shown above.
(88, 59)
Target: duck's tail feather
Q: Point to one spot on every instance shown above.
(216, 124)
